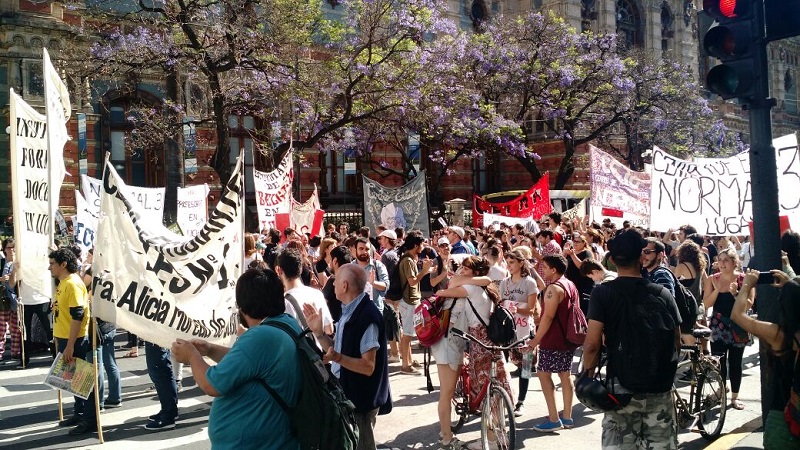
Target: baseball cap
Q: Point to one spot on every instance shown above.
(459, 231)
(442, 241)
(389, 234)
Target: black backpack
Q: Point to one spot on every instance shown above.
(396, 285)
(644, 357)
(687, 305)
(323, 419)
(501, 327)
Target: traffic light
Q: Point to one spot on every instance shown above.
(732, 40)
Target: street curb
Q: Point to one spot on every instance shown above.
(729, 440)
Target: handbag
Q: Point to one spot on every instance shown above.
(740, 335)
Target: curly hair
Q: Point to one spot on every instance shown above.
(689, 253)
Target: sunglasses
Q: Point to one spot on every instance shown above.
(648, 251)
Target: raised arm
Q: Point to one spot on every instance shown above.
(768, 332)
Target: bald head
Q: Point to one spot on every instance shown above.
(355, 276)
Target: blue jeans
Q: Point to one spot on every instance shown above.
(83, 350)
(159, 367)
(100, 375)
(111, 368)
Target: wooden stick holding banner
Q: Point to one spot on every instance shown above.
(97, 392)
(21, 324)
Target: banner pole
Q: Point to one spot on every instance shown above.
(96, 391)
(21, 325)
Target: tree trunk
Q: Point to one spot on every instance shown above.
(566, 169)
(530, 165)
(220, 160)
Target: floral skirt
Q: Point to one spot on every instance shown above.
(554, 361)
(480, 361)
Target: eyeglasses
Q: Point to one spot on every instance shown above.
(648, 251)
(444, 245)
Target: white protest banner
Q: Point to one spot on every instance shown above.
(618, 192)
(150, 199)
(273, 192)
(31, 193)
(307, 217)
(715, 195)
(84, 223)
(163, 286)
(576, 212)
(496, 219)
(192, 208)
(405, 206)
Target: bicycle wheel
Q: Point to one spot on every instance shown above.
(459, 409)
(497, 420)
(713, 403)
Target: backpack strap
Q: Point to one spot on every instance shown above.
(297, 310)
(288, 330)
(569, 304)
(480, 319)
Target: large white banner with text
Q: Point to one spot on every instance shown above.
(715, 194)
(150, 199)
(617, 192)
(274, 192)
(160, 285)
(31, 191)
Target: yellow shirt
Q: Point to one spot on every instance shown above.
(70, 293)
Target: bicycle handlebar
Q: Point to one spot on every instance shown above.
(491, 348)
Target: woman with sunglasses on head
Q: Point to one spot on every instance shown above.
(728, 340)
(477, 304)
(518, 292)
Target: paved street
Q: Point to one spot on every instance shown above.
(28, 413)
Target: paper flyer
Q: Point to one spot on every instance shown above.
(76, 378)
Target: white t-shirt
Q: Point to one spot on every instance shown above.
(305, 294)
(481, 303)
(518, 293)
(497, 273)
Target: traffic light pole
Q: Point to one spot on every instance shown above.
(766, 225)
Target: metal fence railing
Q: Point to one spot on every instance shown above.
(355, 219)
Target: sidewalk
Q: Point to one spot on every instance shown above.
(748, 436)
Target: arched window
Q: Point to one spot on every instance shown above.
(479, 14)
(588, 13)
(667, 27)
(629, 25)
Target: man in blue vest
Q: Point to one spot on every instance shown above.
(357, 352)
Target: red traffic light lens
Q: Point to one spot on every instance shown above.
(727, 8)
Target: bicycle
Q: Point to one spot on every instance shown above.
(708, 397)
(496, 409)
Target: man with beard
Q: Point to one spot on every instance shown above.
(652, 265)
(377, 275)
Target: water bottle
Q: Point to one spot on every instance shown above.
(527, 365)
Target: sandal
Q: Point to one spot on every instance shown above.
(133, 353)
(737, 404)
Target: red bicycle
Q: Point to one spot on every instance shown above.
(496, 409)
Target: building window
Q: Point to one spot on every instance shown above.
(790, 100)
(667, 27)
(588, 14)
(479, 15)
(342, 172)
(241, 140)
(629, 25)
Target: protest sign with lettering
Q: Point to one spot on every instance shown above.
(534, 203)
(618, 192)
(192, 208)
(715, 194)
(405, 206)
(274, 192)
(31, 193)
(150, 199)
(162, 286)
(84, 224)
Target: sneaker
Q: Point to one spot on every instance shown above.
(83, 428)
(453, 444)
(478, 445)
(110, 404)
(179, 384)
(71, 422)
(548, 427)
(568, 423)
(394, 359)
(160, 424)
(519, 410)
(157, 417)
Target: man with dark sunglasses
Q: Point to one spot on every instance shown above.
(653, 269)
